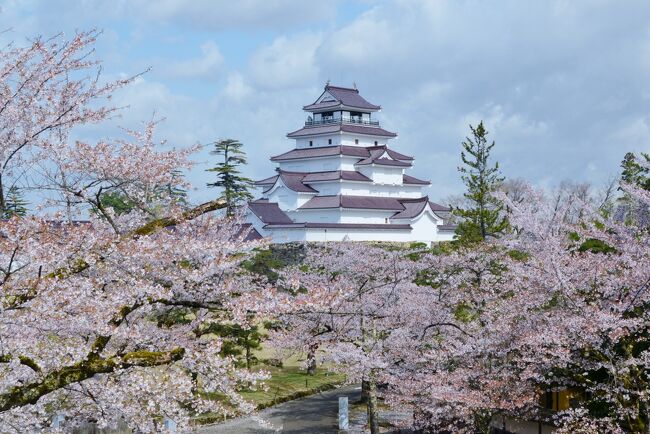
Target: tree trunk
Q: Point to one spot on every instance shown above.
(373, 417)
(311, 359)
(3, 205)
(644, 415)
(364, 390)
(248, 355)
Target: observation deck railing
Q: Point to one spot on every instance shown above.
(341, 120)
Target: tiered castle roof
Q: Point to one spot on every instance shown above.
(367, 177)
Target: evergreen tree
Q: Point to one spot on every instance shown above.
(15, 203)
(633, 172)
(483, 216)
(160, 197)
(117, 200)
(630, 210)
(239, 341)
(235, 187)
(175, 190)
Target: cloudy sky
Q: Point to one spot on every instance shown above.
(563, 86)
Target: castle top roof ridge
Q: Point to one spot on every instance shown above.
(331, 86)
(343, 96)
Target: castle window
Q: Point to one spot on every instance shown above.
(311, 143)
(376, 142)
(356, 141)
(329, 141)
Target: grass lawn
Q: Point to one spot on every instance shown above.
(286, 383)
(290, 382)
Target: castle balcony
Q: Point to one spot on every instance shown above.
(340, 120)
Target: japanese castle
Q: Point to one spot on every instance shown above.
(342, 182)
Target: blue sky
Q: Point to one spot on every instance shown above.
(563, 86)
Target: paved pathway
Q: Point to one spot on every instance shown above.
(314, 414)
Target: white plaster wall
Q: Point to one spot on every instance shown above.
(289, 235)
(288, 199)
(316, 215)
(327, 188)
(340, 216)
(445, 236)
(365, 216)
(324, 164)
(350, 140)
(391, 190)
(424, 228)
(319, 141)
(383, 175)
(367, 189)
(331, 235)
(325, 235)
(341, 139)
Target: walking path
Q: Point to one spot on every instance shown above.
(314, 414)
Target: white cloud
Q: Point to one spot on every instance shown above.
(208, 65)
(286, 62)
(560, 84)
(228, 14)
(236, 88)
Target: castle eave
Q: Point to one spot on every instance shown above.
(341, 128)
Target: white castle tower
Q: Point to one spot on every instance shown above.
(342, 182)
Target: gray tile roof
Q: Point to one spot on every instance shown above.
(326, 151)
(438, 207)
(355, 202)
(386, 226)
(298, 181)
(412, 209)
(393, 154)
(353, 151)
(268, 212)
(293, 181)
(343, 97)
(408, 179)
(267, 181)
(346, 128)
(377, 157)
(248, 232)
(447, 228)
(383, 162)
(346, 175)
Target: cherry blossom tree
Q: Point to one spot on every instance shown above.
(47, 88)
(85, 305)
(560, 304)
(469, 337)
(346, 301)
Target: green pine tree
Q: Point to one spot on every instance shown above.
(484, 217)
(235, 187)
(238, 341)
(635, 174)
(15, 203)
(117, 200)
(174, 190)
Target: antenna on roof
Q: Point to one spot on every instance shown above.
(354, 85)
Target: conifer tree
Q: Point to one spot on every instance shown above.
(634, 173)
(235, 187)
(15, 203)
(483, 218)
